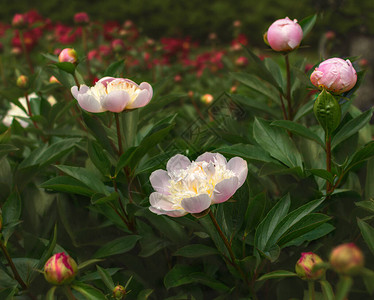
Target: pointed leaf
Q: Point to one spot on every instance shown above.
(307, 24)
(367, 233)
(118, 246)
(277, 274)
(196, 250)
(106, 278)
(88, 291)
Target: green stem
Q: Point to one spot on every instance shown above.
(29, 111)
(2, 71)
(69, 293)
(120, 148)
(24, 49)
(288, 96)
(12, 266)
(283, 107)
(312, 295)
(328, 161)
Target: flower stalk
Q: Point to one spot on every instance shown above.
(328, 161)
(288, 95)
(119, 138)
(311, 290)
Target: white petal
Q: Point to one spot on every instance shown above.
(225, 189)
(196, 204)
(160, 201)
(141, 100)
(160, 181)
(177, 162)
(171, 213)
(146, 86)
(116, 101)
(89, 103)
(239, 167)
(212, 157)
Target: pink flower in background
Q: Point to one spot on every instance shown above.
(335, 75)
(284, 35)
(81, 18)
(191, 187)
(60, 269)
(113, 94)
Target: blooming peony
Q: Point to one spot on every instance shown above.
(113, 94)
(335, 75)
(284, 35)
(191, 187)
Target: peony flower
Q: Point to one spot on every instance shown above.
(68, 55)
(81, 18)
(335, 75)
(284, 35)
(19, 21)
(191, 187)
(113, 94)
(60, 269)
(347, 259)
(304, 266)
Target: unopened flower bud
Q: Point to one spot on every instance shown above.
(233, 89)
(16, 51)
(53, 79)
(119, 292)
(241, 61)
(237, 23)
(284, 35)
(19, 21)
(190, 94)
(60, 269)
(22, 81)
(207, 98)
(330, 35)
(304, 266)
(177, 78)
(335, 75)
(347, 259)
(118, 45)
(68, 55)
(81, 18)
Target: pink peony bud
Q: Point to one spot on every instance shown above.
(177, 78)
(207, 98)
(284, 35)
(347, 259)
(81, 18)
(304, 266)
(22, 81)
(241, 61)
(19, 21)
(119, 292)
(118, 45)
(68, 55)
(335, 75)
(60, 269)
(53, 79)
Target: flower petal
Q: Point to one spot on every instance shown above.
(177, 162)
(212, 157)
(160, 181)
(160, 201)
(141, 100)
(172, 213)
(146, 86)
(105, 80)
(89, 103)
(196, 204)
(225, 189)
(116, 101)
(239, 167)
(82, 90)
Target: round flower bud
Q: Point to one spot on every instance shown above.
(207, 98)
(335, 75)
(60, 269)
(53, 79)
(118, 45)
(304, 266)
(241, 61)
(68, 55)
(347, 259)
(119, 292)
(19, 21)
(81, 18)
(23, 82)
(284, 35)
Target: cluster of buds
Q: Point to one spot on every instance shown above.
(60, 269)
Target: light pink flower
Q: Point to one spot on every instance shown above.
(191, 187)
(335, 75)
(113, 94)
(284, 35)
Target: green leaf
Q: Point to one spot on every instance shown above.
(327, 111)
(258, 85)
(99, 157)
(368, 278)
(196, 250)
(323, 174)
(255, 211)
(7, 148)
(84, 176)
(88, 291)
(304, 110)
(276, 141)
(307, 24)
(292, 218)
(367, 205)
(11, 210)
(67, 184)
(351, 127)
(273, 218)
(367, 233)
(100, 198)
(115, 69)
(254, 103)
(277, 274)
(51, 57)
(369, 188)
(344, 286)
(327, 291)
(66, 66)
(89, 262)
(299, 130)
(51, 293)
(362, 154)
(118, 246)
(144, 294)
(106, 278)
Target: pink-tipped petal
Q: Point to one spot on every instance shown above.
(89, 103)
(105, 80)
(212, 157)
(224, 190)
(196, 204)
(141, 100)
(116, 101)
(177, 162)
(160, 181)
(239, 167)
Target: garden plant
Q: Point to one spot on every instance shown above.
(133, 168)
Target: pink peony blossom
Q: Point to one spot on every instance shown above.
(191, 187)
(113, 94)
(335, 75)
(81, 18)
(284, 35)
